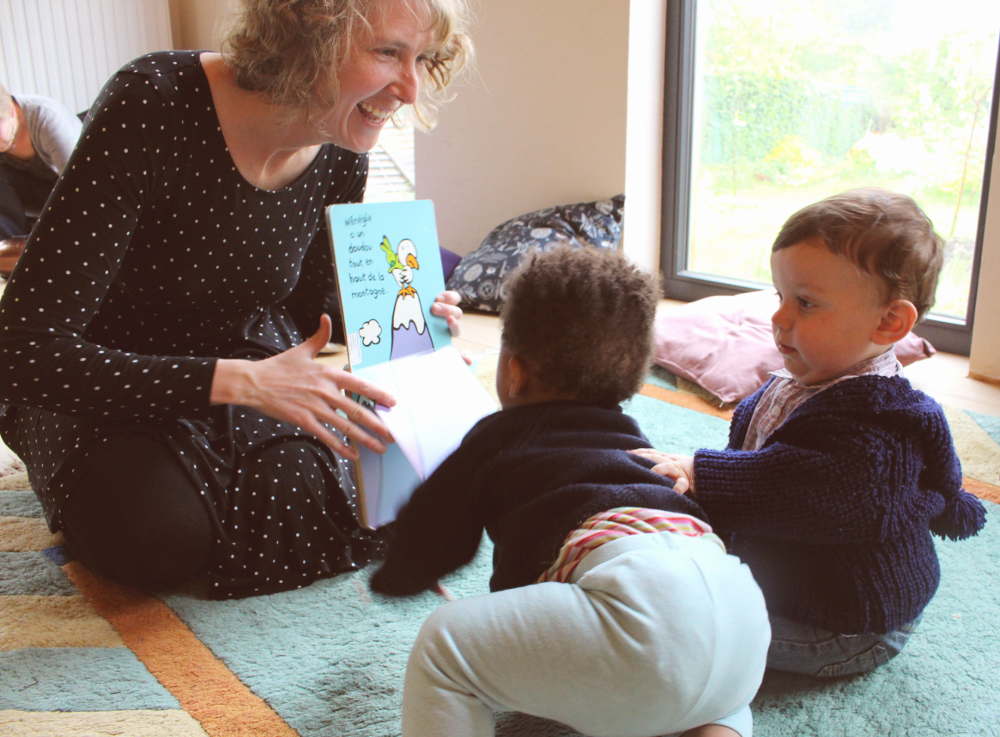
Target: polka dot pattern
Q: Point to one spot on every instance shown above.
(153, 258)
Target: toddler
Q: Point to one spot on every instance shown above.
(837, 470)
(614, 608)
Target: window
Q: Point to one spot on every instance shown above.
(391, 170)
(773, 105)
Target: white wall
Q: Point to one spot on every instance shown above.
(67, 50)
(541, 123)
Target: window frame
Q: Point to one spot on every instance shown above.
(946, 334)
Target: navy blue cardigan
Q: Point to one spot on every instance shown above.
(834, 513)
(528, 476)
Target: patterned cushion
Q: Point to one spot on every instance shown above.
(479, 275)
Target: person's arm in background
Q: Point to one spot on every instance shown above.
(54, 130)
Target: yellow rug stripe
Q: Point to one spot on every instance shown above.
(138, 723)
(15, 482)
(982, 489)
(53, 621)
(683, 399)
(26, 534)
(204, 686)
(976, 447)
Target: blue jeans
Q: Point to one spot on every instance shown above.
(22, 197)
(803, 648)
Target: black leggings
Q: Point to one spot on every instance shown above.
(135, 516)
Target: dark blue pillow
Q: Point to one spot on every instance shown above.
(479, 275)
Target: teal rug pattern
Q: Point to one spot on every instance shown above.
(328, 660)
(338, 669)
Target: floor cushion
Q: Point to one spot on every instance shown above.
(724, 344)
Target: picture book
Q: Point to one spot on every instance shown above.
(388, 266)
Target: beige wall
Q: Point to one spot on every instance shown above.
(541, 123)
(197, 24)
(984, 361)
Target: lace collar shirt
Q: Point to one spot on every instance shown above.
(784, 395)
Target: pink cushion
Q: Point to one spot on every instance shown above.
(724, 344)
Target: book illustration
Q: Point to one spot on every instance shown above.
(388, 269)
(370, 333)
(409, 329)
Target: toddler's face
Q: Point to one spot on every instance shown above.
(829, 312)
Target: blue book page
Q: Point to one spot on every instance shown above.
(388, 267)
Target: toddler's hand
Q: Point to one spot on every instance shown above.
(444, 592)
(673, 465)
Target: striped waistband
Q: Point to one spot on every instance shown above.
(615, 524)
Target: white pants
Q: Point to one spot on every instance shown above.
(656, 634)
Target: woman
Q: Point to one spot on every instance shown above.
(154, 372)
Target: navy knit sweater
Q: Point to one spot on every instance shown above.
(528, 476)
(834, 513)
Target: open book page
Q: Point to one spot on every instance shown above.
(438, 400)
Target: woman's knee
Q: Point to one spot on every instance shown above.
(135, 515)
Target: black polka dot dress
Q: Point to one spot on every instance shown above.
(154, 258)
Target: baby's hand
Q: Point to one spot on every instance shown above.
(673, 465)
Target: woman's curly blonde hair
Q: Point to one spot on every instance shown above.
(289, 49)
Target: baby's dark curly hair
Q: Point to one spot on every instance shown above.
(581, 319)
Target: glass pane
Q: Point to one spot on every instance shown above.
(391, 170)
(796, 101)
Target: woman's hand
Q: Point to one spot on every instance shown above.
(678, 467)
(293, 387)
(446, 306)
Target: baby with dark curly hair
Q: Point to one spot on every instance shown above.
(614, 608)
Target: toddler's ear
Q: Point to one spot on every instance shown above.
(515, 375)
(898, 319)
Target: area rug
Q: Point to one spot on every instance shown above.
(82, 657)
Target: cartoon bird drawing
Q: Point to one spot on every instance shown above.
(409, 329)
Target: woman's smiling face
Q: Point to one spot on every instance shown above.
(382, 72)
